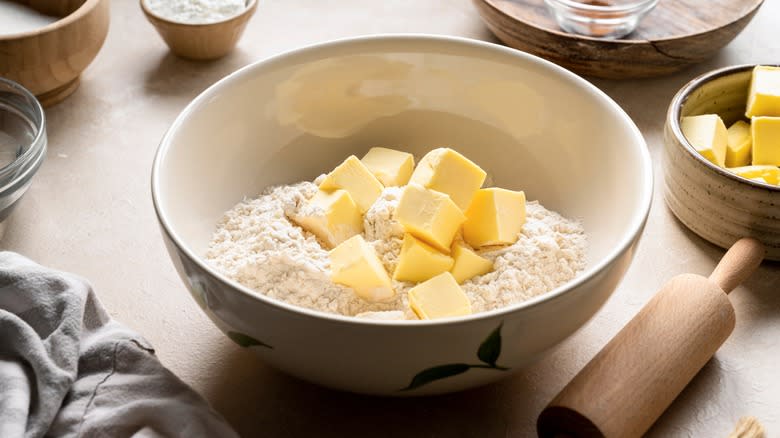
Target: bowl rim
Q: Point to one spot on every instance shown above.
(632, 7)
(636, 224)
(20, 169)
(84, 9)
(249, 8)
(675, 111)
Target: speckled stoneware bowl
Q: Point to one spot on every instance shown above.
(716, 204)
(531, 124)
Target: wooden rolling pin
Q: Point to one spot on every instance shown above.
(629, 383)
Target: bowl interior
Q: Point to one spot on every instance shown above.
(531, 125)
(725, 95)
(723, 92)
(54, 8)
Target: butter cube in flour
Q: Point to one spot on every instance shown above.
(738, 144)
(768, 174)
(468, 264)
(419, 261)
(355, 178)
(392, 168)
(355, 264)
(766, 140)
(447, 171)
(495, 217)
(764, 94)
(708, 135)
(331, 216)
(439, 297)
(429, 215)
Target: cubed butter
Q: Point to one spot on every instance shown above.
(390, 167)
(331, 216)
(468, 264)
(738, 144)
(355, 264)
(495, 217)
(708, 135)
(769, 174)
(439, 297)
(447, 171)
(355, 178)
(419, 261)
(766, 140)
(764, 94)
(429, 215)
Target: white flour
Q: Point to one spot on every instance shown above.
(196, 11)
(257, 245)
(18, 17)
(381, 229)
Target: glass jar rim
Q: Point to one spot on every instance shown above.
(627, 7)
(18, 168)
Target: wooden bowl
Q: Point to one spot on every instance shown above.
(672, 36)
(201, 42)
(48, 61)
(716, 204)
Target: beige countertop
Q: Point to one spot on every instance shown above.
(89, 211)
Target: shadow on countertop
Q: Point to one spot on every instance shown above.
(174, 76)
(258, 400)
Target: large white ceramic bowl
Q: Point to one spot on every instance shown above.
(532, 125)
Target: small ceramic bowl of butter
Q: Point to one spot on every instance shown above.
(722, 156)
(200, 30)
(450, 115)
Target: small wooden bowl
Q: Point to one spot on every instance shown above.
(718, 205)
(672, 36)
(201, 42)
(48, 61)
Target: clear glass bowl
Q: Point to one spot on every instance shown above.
(22, 144)
(608, 19)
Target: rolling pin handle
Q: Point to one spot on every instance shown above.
(739, 262)
(634, 378)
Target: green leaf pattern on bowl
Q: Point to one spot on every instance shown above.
(246, 341)
(488, 352)
(491, 347)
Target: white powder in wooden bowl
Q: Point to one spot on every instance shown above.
(257, 245)
(196, 11)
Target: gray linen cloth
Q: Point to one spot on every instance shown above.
(67, 369)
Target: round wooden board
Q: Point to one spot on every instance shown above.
(675, 34)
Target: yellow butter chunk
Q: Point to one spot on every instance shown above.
(331, 216)
(708, 135)
(419, 261)
(769, 174)
(355, 178)
(439, 297)
(429, 215)
(355, 264)
(766, 140)
(447, 171)
(468, 264)
(738, 144)
(495, 217)
(390, 167)
(764, 94)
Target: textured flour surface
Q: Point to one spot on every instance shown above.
(196, 11)
(257, 245)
